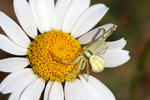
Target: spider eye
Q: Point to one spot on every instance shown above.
(97, 63)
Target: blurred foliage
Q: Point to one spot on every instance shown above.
(133, 20)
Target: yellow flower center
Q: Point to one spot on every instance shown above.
(45, 51)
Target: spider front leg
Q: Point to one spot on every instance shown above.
(84, 64)
(78, 69)
(87, 71)
(104, 51)
(100, 41)
(70, 63)
(103, 37)
(100, 48)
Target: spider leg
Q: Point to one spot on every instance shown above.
(84, 64)
(100, 48)
(87, 71)
(100, 41)
(110, 32)
(78, 69)
(104, 51)
(71, 63)
(83, 50)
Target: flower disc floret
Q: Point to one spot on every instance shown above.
(47, 48)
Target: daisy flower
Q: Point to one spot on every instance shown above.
(54, 44)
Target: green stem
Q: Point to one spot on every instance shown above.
(137, 77)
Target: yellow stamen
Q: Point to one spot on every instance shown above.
(44, 50)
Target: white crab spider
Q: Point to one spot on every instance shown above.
(88, 57)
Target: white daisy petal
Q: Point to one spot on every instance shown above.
(56, 91)
(27, 81)
(17, 81)
(13, 64)
(89, 19)
(61, 8)
(14, 32)
(15, 95)
(34, 90)
(98, 90)
(76, 8)
(119, 44)
(47, 90)
(93, 34)
(25, 17)
(115, 57)
(10, 47)
(43, 11)
(75, 90)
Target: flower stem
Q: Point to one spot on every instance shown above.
(137, 77)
